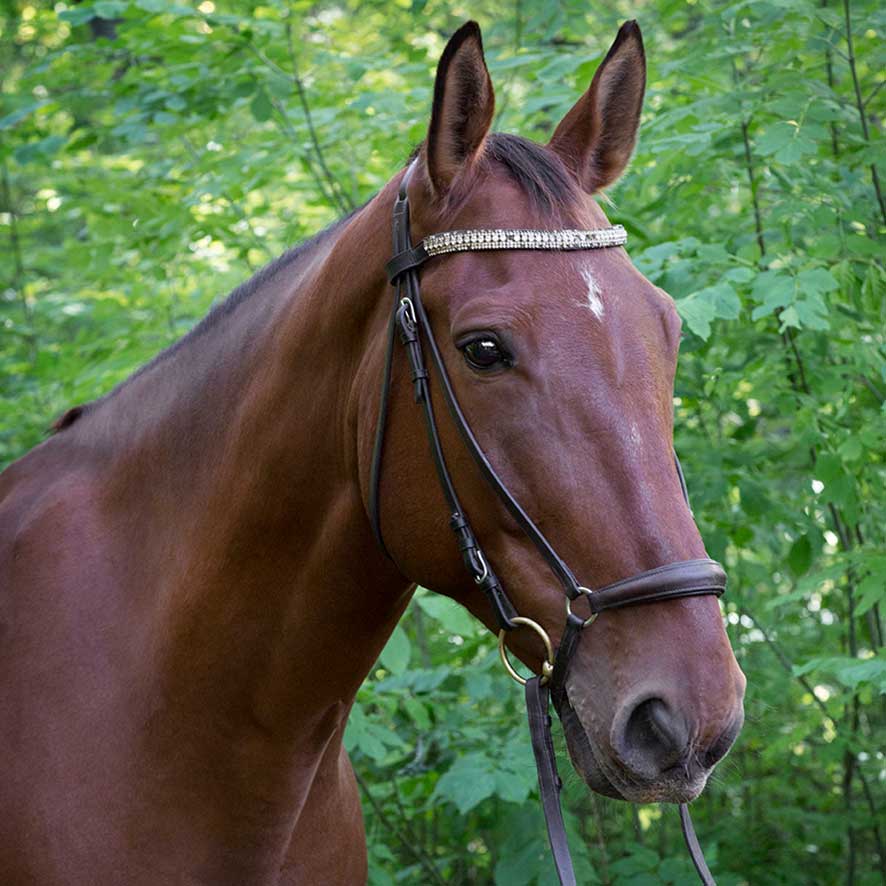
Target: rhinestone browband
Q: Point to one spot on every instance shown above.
(467, 241)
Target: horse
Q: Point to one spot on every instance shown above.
(191, 591)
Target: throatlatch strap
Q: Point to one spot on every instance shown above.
(548, 780)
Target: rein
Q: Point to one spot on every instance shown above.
(685, 578)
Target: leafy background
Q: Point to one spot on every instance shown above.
(153, 153)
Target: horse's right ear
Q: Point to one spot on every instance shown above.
(463, 105)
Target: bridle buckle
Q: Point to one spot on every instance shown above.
(479, 579)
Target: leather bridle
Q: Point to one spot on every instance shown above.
(686, 578)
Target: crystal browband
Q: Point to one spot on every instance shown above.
(468, 241)
(480, 239)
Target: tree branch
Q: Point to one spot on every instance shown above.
(829, 67)
(749, 167)
(859, 102)
(850, 768)
(18, 274)
(334, 185)
(234, 204)
(414, 848)
(328, 186)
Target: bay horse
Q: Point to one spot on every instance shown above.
(191, 591)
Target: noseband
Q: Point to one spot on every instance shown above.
(687, 578)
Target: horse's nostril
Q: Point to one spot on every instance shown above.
(719, 747)
(654, 738)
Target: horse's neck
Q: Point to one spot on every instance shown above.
(235, 471)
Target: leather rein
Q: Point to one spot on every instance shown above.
(409, 322)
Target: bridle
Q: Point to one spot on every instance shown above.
(686, 578)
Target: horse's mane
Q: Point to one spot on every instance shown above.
(223, 309)
(537, 172)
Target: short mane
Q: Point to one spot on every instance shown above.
(539, 173)
(224, 309)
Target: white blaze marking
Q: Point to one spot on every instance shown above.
(593, 299)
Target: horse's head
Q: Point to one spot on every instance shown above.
(563, 363)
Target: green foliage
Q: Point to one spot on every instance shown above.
(153, 152)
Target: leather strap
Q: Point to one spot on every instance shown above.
(410, 322)
(563, 659)
(402, 270)
(410, 257)
(549, 783)
(694, 848)
(688, 578)
(524, 521)
(379, 445)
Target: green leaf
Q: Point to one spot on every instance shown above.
(851, 672)
(838, 483)
(21, 113)
(871, 591)
(702, 307)
(395, 656)
(789, 318)
(364, 736)
(816, 280)
(39, 150)
(110, 8)
(452, 616)
(79, 15)
(800, 555)
(640, 861)
(698, 315)
(794, 151)
(739, 275)
(774, 139)
(854, 673)
(418, 713)
(468, 782)
(774, 289)
(261, 106)
(812, 312)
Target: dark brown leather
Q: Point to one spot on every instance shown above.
(549, 784)
(692, 844)
(688, 578)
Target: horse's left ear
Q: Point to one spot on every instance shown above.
(596, 138)
(463, 106)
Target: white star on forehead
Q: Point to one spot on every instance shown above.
(593, 297)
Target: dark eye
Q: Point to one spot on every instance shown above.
(485, 353)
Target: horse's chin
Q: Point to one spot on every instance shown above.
(673, 787)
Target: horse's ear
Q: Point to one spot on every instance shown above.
(596, 138)
(463, 106)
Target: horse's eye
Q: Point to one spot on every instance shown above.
(485, 353)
